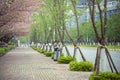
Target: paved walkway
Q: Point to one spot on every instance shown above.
(27, 64)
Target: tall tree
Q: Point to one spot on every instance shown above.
(102, 12)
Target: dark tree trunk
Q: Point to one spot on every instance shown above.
(100, 38)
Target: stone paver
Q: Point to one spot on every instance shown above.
(27, 64)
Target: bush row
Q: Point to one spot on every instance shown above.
(3, 50)
(73, 64)
(105, 76)
(81, 66)
(48, 54)
(65, 59)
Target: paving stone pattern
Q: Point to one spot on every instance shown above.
(27, 64)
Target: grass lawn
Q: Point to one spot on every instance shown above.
(112, 47)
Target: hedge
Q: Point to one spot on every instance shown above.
(80, 66)
(49, 54)
(3, 50)
(65, 60)
(105, 76)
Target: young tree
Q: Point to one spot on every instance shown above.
(75, 42)
(102, 37)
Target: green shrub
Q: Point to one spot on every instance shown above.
(38, 49)
(80, 66)
(64, 59)
(62, 54)
(43, 51)
(105, 76)
(6, 49)
(2, 51)
(33, 47)
(86, 66)
(74, 66)
(9, 47)
(52, 56)
(49, 54)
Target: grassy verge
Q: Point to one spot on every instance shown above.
(3, 50)
(112, 47)
(105, 76)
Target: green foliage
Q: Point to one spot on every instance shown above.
(73, 32)
(74, 66)
(65, 60)
(114, 47)
(49, 17)
(105, 76)
(34, 48)
(52, 56)
(49, 54)
(39, 50)
(2, 51)
(105, 9)
(98, 1)
(43, 51)
(81, 66)
(13, 41)
(113, 28)
(24, 39)
(9, 47)
(42, 24)
(86, 31)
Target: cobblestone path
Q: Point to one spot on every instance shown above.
(27, 64)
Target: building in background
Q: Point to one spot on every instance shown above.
(85, 17)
